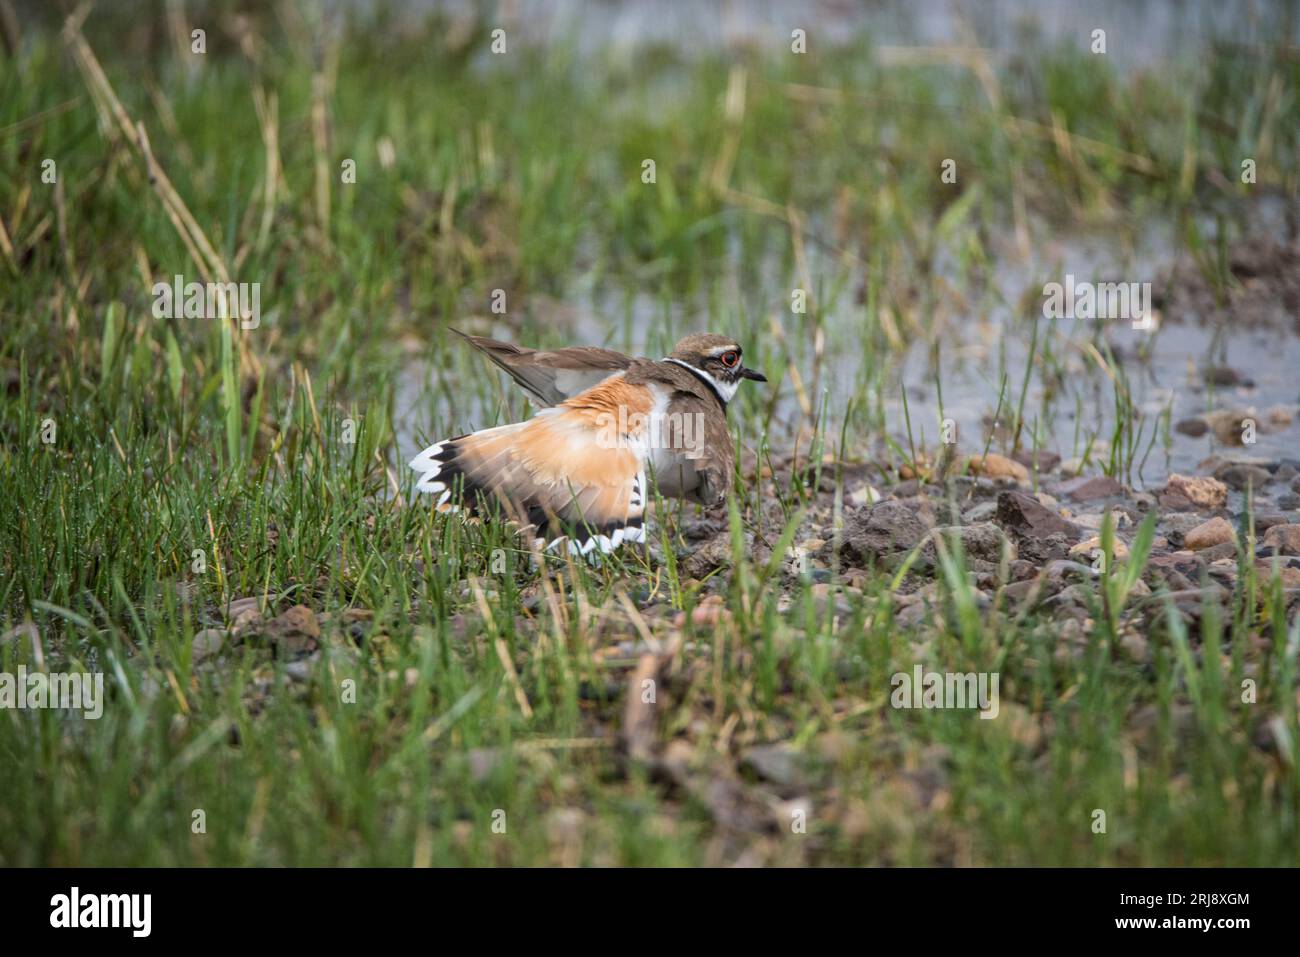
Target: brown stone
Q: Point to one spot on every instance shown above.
(1040, 461)
(1203, 492)
(1290, 576)
(1285, 538)
(993, 465)
(1027, 515)
(1092, 488)
(1208, 534)
(296, 631)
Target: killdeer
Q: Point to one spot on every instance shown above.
(576, 472)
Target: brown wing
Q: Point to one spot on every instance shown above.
(573, 472)
(554, 376)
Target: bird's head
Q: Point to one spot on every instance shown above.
(718, 357)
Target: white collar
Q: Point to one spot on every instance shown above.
(725, 391)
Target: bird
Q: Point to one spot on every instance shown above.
(577, 472)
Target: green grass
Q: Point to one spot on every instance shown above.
(446, 689)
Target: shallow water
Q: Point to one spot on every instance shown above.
(1164, 367)
(1069, 401)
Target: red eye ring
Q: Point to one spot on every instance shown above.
(730, 359)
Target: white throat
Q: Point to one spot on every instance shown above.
(726, 390)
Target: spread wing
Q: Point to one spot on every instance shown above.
(551, 377)
(575, 472)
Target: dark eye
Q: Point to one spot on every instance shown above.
(729, 359)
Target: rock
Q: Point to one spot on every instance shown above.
(979, 543)
(1184, 563)
(1172, 502)
(1136, 648)
(1194, 427)
(1022, 570)
(1229, 425)
(1093, 545)
(244, 616)
(982, 512)
(824, 598)
(294, 632)
(709, 612)
(865, 495)
(1026, 515)
(992, 465)
(1290, 576)
(1242, 477)
(206, 643)
(1216, 531)
(1225, 376)
(1040, 461)
(1091, 488)
(299, 671)
(704, 558)
(1177, 525)
(778, 763)
(1201, 492)
(1218, 553)
(881, 530)
(238, 606)
(709, 615)
(1289, 501)
(1281, 416)
(1285, 538)
(1266, 520)
(1021, 590)
(1062, 570)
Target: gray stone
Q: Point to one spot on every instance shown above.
(1092, 488)
(1241, 477)
(979, 543)
(881, 530)
(1025, 515)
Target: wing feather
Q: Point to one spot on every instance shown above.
(576, 472)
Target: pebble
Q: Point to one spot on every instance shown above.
(1040, 461)
(1266, 520)
(1285, 538)
(1060, 569)
(1242, 477)
(778, 763)
(1092, 488)
(1208, 534)
(866, 495)
(1281, 415)
(1093, 545)
(1030, 517)
(1202, 492)
(1290, 576)
(1225, 376)
(206, 643)
(993, 465)
(1195, 427)
(1224, 551)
